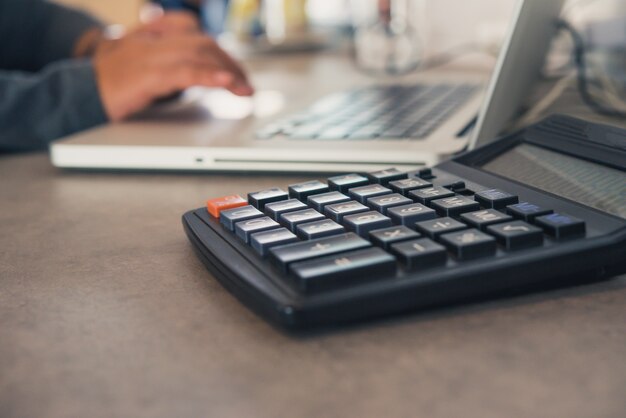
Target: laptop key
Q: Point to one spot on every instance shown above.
(363, 223)
(427, 194)
(361, 194)
(244, 229)
(342, 270)
(516, 235)
(337, 211)
(408, 215)
(406, 185)
(454, 206)
(274, 210)
(263, 197)
(385, 237)
(385, 202)
(263, 241)
(385, 176)
(348, 181)
(495, 199)
(284, 255)
(469, 244)
(561, 226)
(483, 218)
(319, 201)
(319, 229)
(435, 227)
(230, 216)
(302, 191)
(292, 219)
(420, 253)
(527, 211)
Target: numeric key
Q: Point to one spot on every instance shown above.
(229, 217)
(408, 215)
(348, 181)
(292, 219)
(244, 229)
(319, 229)
(319, 201)
(337, 211)
(385, 176)
(363, 223)
(385, 202)
(361, 194)
(302, 191)
(285, 206)
(263, 241)
(263, 197)
(405, 186)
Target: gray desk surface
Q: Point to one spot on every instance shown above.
(106, 312)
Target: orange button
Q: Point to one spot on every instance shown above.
(215, 206)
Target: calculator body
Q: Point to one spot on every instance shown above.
(594, 253)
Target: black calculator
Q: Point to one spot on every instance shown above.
(543, 207)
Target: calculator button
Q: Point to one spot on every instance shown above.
(495, 199)
(385, 176)
(276, 209)
(384, 202)
(425, 173)
(319, 201)
(319, 229)
(301, 191)
(483, 218)
(345, 182)
(263, 197)
(420, 253)
(342, 270)
(244, 229)
(228, 217)
(405, 186)
(408, 215)
(363, 223)
(215, 206)
(527, 211)
(385, 237)
(337, 211)
(516, 235)
(560, 225)
(435, 227)
(361, 194)
(425, 195)
(454, 185)
(454, 206)
(469, 244)
(293, 219)
(284, 255)
(263, 241)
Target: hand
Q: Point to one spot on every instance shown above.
(140, 69)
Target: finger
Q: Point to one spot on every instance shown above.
(243, 85)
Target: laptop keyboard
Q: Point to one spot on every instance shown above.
(375, 112)
(351, 229)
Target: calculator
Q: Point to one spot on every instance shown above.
(540, 208)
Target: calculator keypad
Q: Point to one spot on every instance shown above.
(355, 229)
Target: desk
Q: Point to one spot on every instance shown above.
(106, 312)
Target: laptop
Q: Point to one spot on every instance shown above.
(407, 126)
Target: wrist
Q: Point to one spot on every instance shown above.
(88, 43)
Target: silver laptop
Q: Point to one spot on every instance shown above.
(359, 129)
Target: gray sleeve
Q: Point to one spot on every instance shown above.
(35, 33)
(37, 108)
